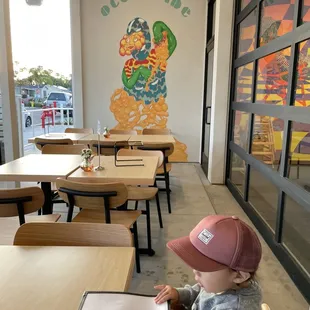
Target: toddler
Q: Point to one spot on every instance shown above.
(224, 253)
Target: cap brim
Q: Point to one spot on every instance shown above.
(192, 257)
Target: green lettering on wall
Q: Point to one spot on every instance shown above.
(105, 10)
(186, 11)
(114, 4)
(176, 4)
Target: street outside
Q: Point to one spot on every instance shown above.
(36, 128)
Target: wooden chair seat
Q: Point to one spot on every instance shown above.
(126, 218)
(161, 170)
(141, 193)
(9, 226)
(51, 218)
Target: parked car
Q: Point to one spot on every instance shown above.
(26, 99)
(27, 117)
(62, 99)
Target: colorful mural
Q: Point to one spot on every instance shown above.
(141, 103)
(273, 70)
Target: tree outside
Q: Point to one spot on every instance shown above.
(40, 76)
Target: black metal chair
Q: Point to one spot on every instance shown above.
(98, 203)
(21, 201)
(163, 171)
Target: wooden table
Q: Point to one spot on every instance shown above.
(128, 175)
(112, 138)
(40, 168)
(153, 138)
(82, 138)
(75, 137)
(53, 278)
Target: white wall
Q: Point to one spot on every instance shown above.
(221, 90)
(102, 65)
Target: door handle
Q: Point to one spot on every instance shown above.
(207, 108)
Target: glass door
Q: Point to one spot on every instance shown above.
(208, 86)
(41, 48)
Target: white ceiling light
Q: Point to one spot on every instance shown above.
(34, 2)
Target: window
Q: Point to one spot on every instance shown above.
(241, 128)
(296, 232)
(263, 196)
(270, 102)
(247, 30)
(267, 139)
(244, 3)
(237, 173)
(272, 78)
(305, 13)
(244, 82)
(299, 156)
(276, 19)
(302, 91)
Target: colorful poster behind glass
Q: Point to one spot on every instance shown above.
(273, 70)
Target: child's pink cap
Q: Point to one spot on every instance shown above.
(218, 242)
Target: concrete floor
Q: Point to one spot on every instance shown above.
(192, 199)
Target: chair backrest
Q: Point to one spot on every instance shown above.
(166, 148)
(156, 131)
(123, 132)
(107, 147)
(73, 234)
(75, 149)
(40, 142)
(90, 195)
(29, 199)
(79, 130)
(265, 307)
(159, 154)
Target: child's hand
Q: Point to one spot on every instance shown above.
(167, 292)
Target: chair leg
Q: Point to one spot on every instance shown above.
(148, 228)
(136, 242)
(70, 214)
(159, 211)
(136, 205)
(168, 191)
(39, 211)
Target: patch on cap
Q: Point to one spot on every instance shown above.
(205, 236)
